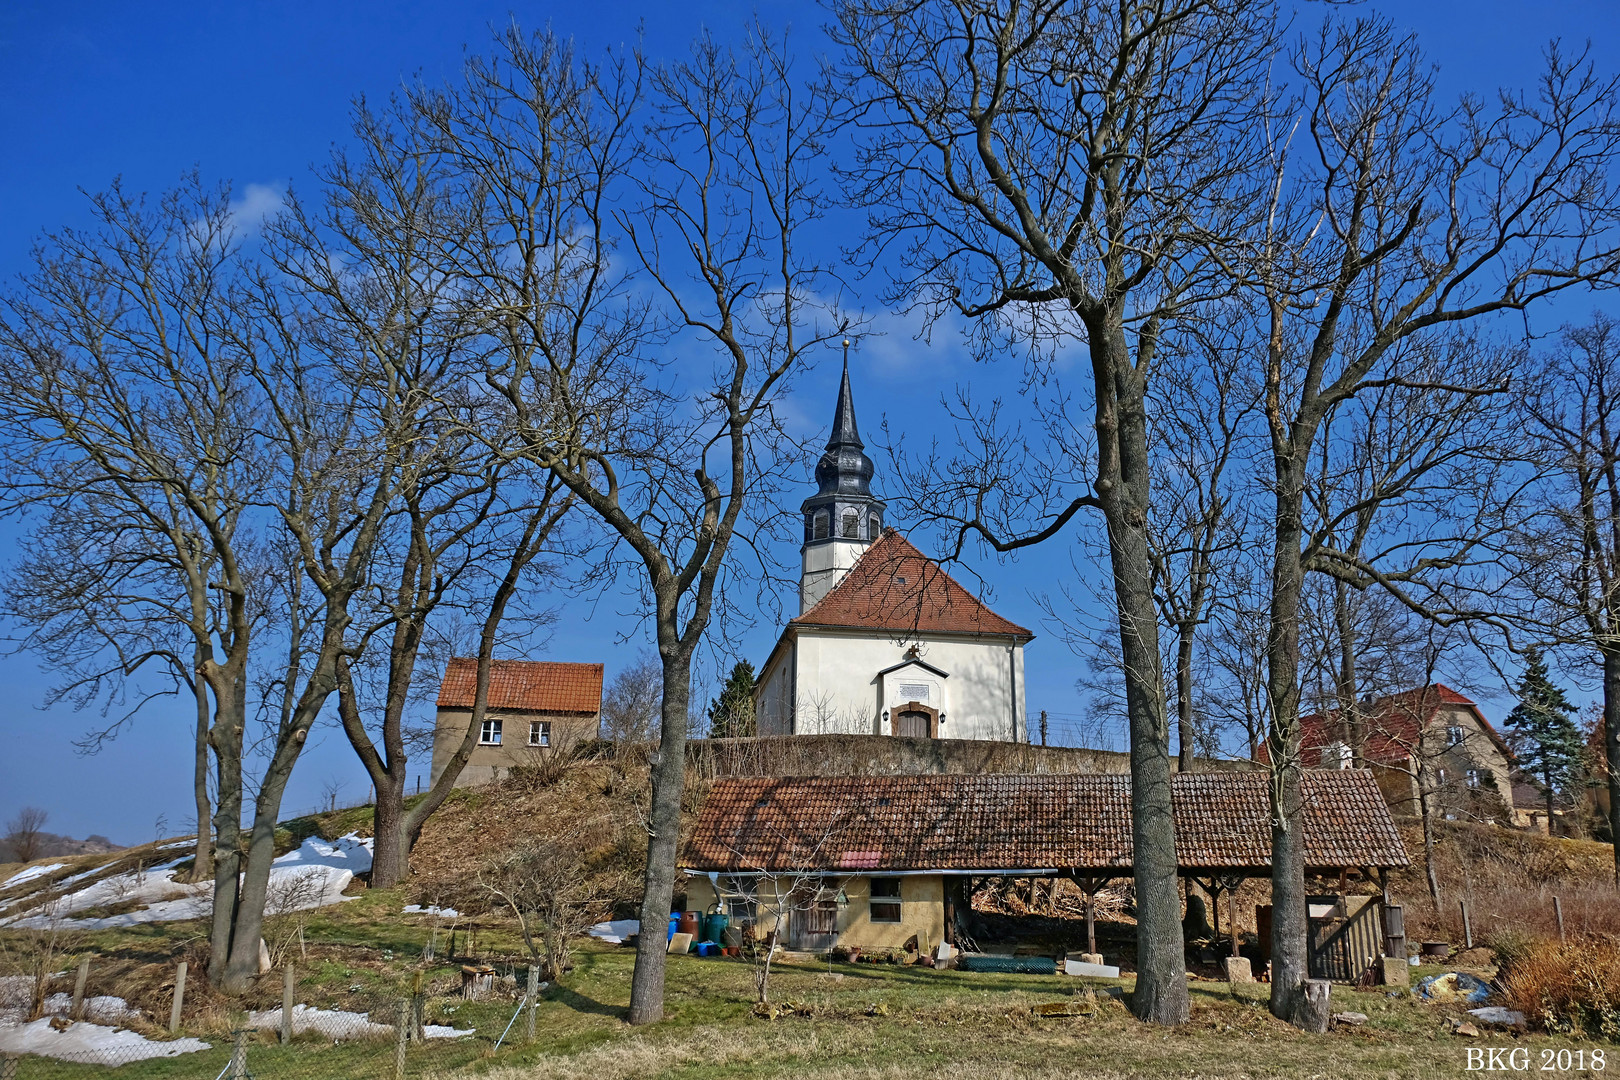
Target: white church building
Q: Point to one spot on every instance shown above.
(885, 642)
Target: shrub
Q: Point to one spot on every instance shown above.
(1572, 988)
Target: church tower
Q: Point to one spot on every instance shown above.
(843, 517)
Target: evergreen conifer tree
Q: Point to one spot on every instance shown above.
(1545, 735)
(731, 715)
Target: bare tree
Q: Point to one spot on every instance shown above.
(709, 203)
(555, 893)
(24, 833)
(1069, 171)
(1397, 225)
(630, 706)
(1569, 555)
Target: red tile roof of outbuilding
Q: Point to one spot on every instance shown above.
(525, 685)
(895, 587)
(1026, 822)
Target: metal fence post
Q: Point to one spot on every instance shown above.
(402, 1030)
(179, 997)
(418, 1033)
(287, 1005)
(238, 1066)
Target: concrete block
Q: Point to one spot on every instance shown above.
(1093, 971)
(1394, 971)
(680, 944)
(1237, 969)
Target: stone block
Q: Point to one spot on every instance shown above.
(1394, 971)
(1237, 969)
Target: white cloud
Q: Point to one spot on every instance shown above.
(259, 203)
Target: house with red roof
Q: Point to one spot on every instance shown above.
(1433, 735)
(534, 708)
(885, 642)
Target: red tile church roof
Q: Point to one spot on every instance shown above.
(895, 587)
(525, 685)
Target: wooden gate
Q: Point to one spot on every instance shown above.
(1342, 949)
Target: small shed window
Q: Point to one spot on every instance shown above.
(490, 734)
(1454, 735)
(852, 525)
(885, 899)
(819, 526)
(539, 732)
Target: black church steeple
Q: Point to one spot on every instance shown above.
(843, 507)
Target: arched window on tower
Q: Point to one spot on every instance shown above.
(873, 527)
(819, 529)
(852, 525)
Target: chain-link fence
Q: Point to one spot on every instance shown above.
(343, 1023)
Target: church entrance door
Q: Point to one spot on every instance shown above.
(914, 721)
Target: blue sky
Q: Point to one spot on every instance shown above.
(258, 92)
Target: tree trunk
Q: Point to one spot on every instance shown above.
(226, 739)
(1184, 696)
(668, 780)
(391, 846)
(1123, 484)
(1426, 812)
(1289, 913)
(1611, 749)
(202, 865)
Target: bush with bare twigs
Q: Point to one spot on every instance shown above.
(1571, 988)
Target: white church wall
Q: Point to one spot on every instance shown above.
(775, 711)
(840, 691)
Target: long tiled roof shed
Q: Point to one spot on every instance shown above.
(1046, 824)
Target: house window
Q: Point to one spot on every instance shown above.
(819, 528)
(539, 732)
(852, 525)
(1454, 735)
(1440, 775)
(885, 899)
(1473, 778)
(491, 733)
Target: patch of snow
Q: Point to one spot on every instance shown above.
(431, 909)
(616, 931)
(338, 1025)
(30, 874)
(103, 1009)
(311, 876)
(90, 1043)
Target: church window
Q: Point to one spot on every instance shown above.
(873, 527)
(852, 525)
(885, 901)
(914, 691)
(819, 529)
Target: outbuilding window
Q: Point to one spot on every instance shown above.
(490, 734)
(539, 732)
(885, 899)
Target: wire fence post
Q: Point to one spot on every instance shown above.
(1468, 928)
(531, 999)
(238, 1067)
(79, 983)
(1558, 914)
(286, 1005)
(402, 1031)
(179, 997)
(418, 1008)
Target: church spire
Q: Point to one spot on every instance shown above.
(843, 516)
